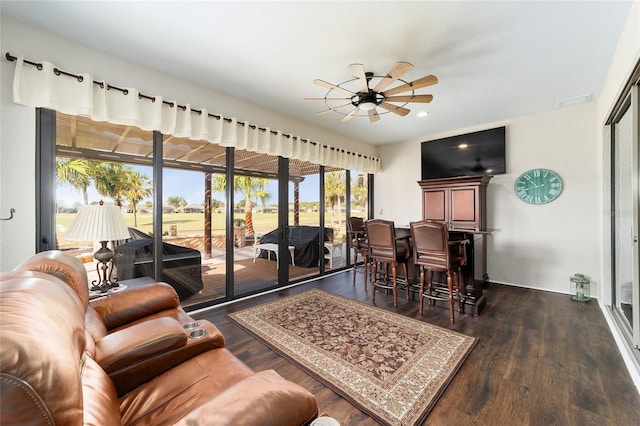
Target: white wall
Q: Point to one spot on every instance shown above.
(537, 246)
(17, 123)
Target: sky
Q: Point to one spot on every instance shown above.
(187, 184)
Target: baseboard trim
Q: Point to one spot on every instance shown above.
(630, 360)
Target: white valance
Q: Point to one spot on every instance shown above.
(46, 86)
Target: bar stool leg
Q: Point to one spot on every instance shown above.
(394, 271)
(355, 267)
(406, 278)
(451, 298)
(373, 280)
(421, 290)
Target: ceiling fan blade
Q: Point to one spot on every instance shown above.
(425, 99)
(332, 86)
(333, 109)
(325, 99)
(373, 116)
(350, 115)
(357, 70)
(395, 109)
(398, 70)
(415, 84)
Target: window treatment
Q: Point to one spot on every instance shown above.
(44, 85)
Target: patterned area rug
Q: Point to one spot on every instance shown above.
(392, 367)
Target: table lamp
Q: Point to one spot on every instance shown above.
(100, 223)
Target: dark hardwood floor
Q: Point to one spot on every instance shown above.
(542, 359)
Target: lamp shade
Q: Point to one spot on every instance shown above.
(98, 223)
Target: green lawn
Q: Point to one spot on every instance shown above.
(193, 223)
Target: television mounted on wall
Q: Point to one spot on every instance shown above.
(472, 154)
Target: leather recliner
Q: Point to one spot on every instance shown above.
(47, 375)
(135, 334)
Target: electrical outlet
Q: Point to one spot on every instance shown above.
(381, 211)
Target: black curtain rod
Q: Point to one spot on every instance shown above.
(80, 78)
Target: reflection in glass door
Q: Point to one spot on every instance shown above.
(626, 290)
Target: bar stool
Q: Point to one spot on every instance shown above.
(387, 249)
(433, 251)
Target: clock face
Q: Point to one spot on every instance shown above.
(538, 186)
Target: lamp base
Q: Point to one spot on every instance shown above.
(104, 268)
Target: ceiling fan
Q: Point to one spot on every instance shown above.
(365, 98)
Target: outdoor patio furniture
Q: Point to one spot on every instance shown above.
(181, 266)
(271, 247)
(306, 242)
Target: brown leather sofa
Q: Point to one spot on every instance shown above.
(53, 371)
(135, 334)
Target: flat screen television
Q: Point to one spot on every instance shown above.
(471, 154)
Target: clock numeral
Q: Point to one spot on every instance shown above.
(536, 173)
(537, 199)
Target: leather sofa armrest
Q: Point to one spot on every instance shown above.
(133, 303)
(265, 399)
(128, 376)
(139, 342)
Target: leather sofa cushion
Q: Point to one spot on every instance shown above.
(127, 306)
(263, 399)
(171, 396)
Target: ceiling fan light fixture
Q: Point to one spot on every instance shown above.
(367, 106)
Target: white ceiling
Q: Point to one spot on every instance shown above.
(494, 60)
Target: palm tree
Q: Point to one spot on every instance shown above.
(334, 193)
(75, 172)
(110, 180)
(250, 187)
(136, 189)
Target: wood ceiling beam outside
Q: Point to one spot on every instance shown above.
(73, 130)
(122, 137)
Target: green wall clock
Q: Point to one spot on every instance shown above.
(538, 186)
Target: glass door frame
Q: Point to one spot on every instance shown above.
(628, 103)
(45, 202)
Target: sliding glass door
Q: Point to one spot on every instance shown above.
(279, 220)
(625, 212)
